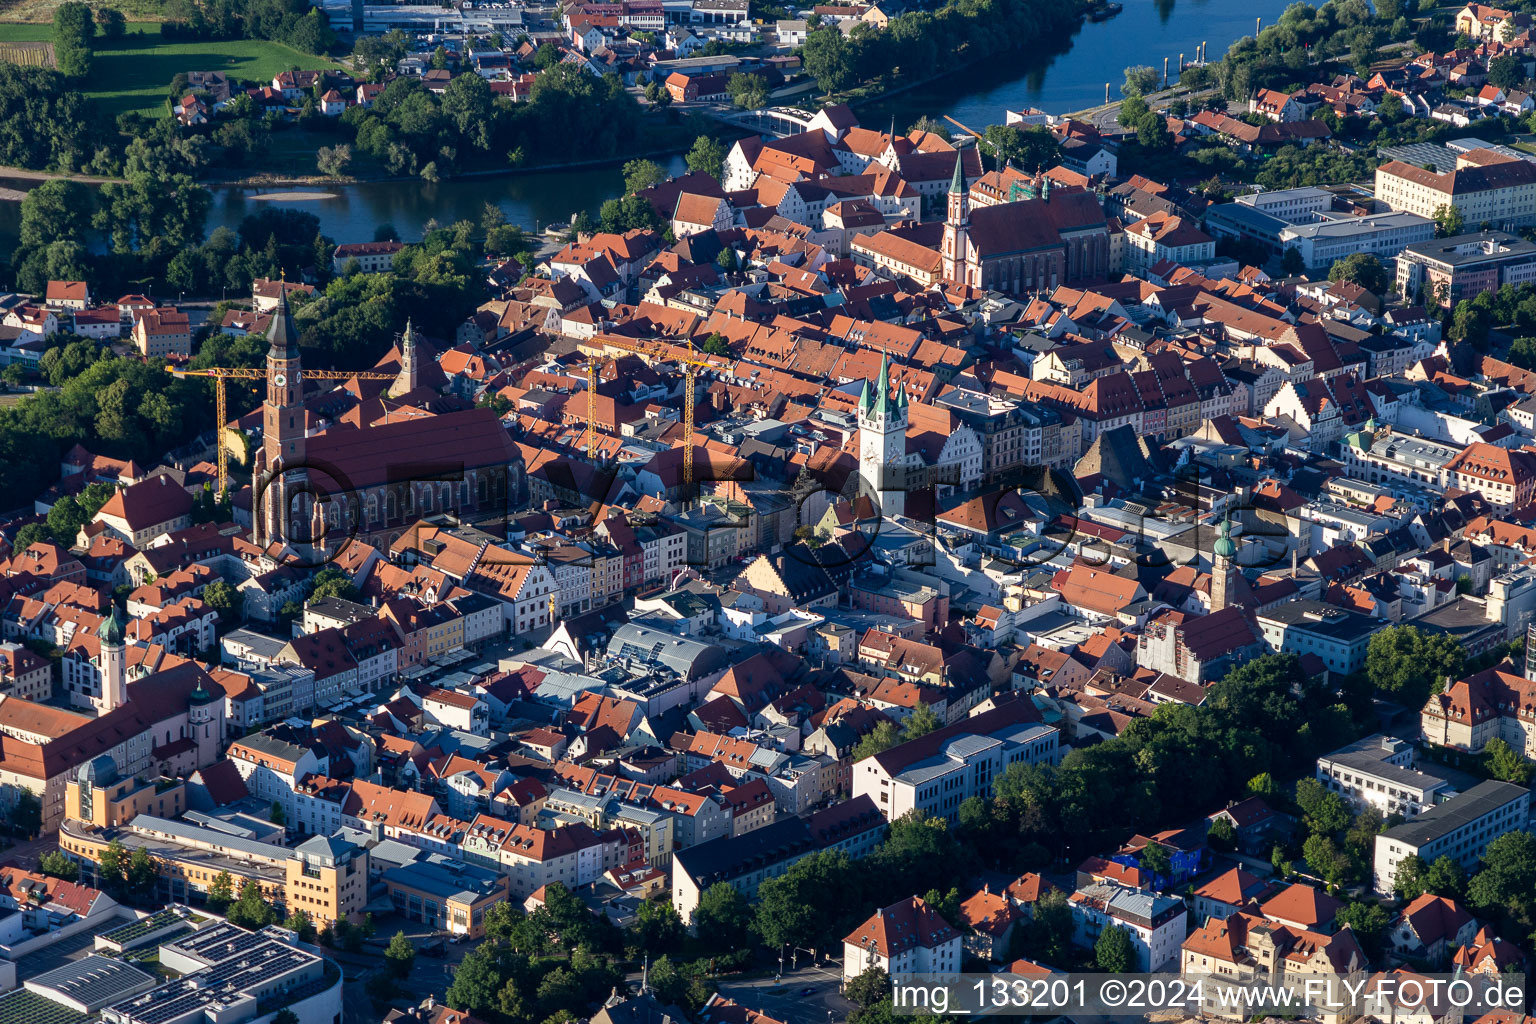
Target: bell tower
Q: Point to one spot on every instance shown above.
(1223, 568)
(883, 444)
(282, 423)
(957, 225)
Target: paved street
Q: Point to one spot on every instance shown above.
(782, 1000)
(25, 854)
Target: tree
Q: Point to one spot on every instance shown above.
(112, 869)
(878, 740)
(828, 57)
(251, 910)
(727, 260)
(1048, 934)
(1504, 763)
(1471, 322)
(1132, 110)
(140, 876)
(1326, 812)
(640, 175)
(808, 905)
(1139, 80)
(221, 892)
(299, 923)
(1445, 877)
(1113, 952)
(278, 815)
(1367, 920)
(110, 23)
(333, 582)
(715, 345)
(285, 1016)
(333, 161)
(56, 864)
(1522, 352)
(1408, 664)
(869, 987)
(32, 533)
(1408, 879)
(546, 56)
(1508, 878)
(74, 31)
(658, 926)
(749, 92)
(922, 721)
(707, 156)
(225, 600)
(1030, 148)
(1448, 221)
(1221, 835)
(1329, 862)
(1155, 859)
(723, 919)
(1363, 269)
(1506, 71)
(400, 955)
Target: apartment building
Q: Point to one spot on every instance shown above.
(1460, 828)
(1485, 186)
(1155, 923)
(903, 939)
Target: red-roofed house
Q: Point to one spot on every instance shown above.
(904, 938)
(145, 511)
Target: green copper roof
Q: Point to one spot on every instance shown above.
(957, 183)
(114, 628)
(1225, 546)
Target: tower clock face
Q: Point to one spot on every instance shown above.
(281, 380)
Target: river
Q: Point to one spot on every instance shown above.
(1071, 78)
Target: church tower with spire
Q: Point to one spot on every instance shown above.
(883, 443)
(114, 661)
(1224, 568)
(409, 378)
(957, 226)
(282, 431)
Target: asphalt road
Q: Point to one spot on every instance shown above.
(782, 1000)
(25, 854)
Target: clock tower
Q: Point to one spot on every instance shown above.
(883, 444)
(282, 429)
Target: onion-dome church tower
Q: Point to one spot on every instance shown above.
(883, 443)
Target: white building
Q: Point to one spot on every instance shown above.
(937, 772)
(1460, 828)
(903, 939)
(1157, 924)
(1378, 772)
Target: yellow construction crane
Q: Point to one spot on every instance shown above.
(220, 374)
(661, 352)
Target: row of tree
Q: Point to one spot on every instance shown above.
(570, 113)
(295, 22)
(916, 43)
